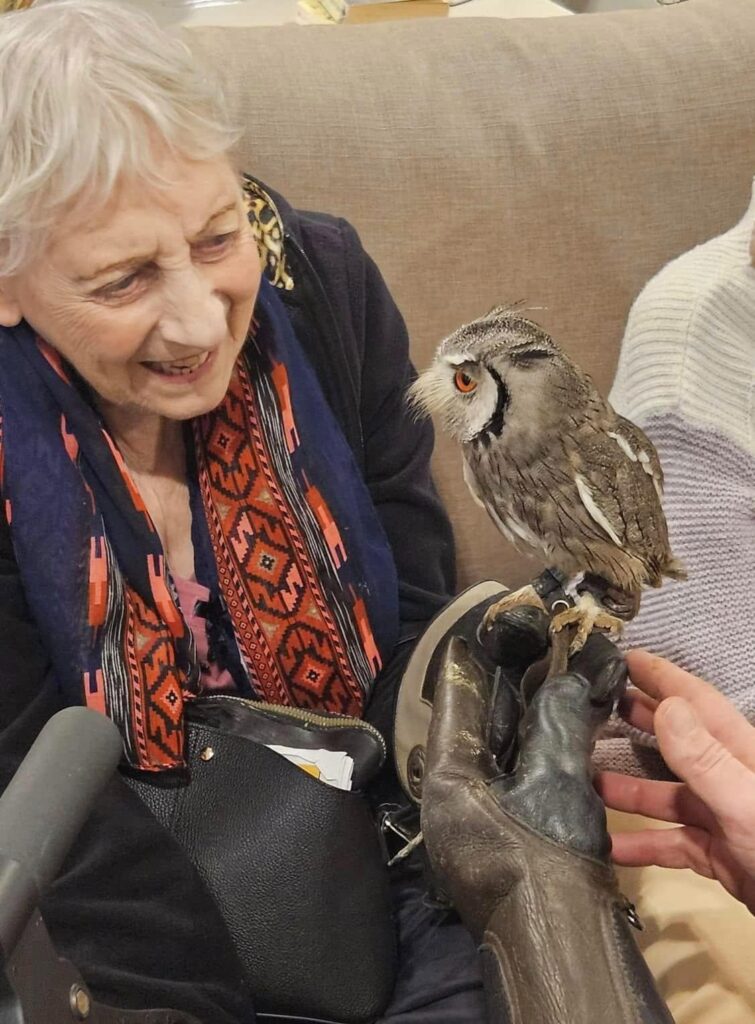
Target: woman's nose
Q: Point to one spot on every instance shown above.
(194, 313)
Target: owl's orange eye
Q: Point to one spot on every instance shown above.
(464, 383)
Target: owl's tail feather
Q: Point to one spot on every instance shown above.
(675, 569)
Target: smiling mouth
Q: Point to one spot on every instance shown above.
(179, 367)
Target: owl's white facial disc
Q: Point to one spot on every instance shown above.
(461, 392)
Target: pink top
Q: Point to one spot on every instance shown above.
(190, 595)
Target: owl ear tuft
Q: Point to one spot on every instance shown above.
(496, 311)
(529, 356)
(504, 310)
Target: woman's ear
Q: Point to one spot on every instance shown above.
(10, 310)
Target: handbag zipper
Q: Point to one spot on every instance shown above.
(300, 715)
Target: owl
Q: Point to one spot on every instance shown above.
(558, 471)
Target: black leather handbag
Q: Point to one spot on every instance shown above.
(295, 865)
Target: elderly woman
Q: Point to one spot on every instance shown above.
(210, 482)
(209, 478)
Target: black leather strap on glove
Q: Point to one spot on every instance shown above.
(524, 854)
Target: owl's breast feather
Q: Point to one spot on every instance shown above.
(492, 490)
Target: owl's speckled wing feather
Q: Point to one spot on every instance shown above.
(477, 495)
(512, 528)
(643, 449)
(585, 500)
(619, 481)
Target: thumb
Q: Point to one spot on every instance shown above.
(691, 752)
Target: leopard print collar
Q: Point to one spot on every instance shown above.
(267, 228)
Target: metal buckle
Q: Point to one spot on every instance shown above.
(399, 831)
(630, 911)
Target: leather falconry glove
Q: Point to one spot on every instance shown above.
(505, 648)
(524, 855)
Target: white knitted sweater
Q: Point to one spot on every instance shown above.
(686, 375)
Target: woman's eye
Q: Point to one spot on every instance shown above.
(217, 243)
(124, 286)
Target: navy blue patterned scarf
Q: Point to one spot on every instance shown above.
(284, 528)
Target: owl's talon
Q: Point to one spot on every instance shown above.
(524, 596)
(583, 631)
(587, 614)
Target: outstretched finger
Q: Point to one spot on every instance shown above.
(458, 739)
(660, 679)
(709, 768)
(665, 801)
(683, 847)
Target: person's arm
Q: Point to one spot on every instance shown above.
(127, 909)
(366, 349)
(711, 748)
(697, 411)
(523, 853)
(356, 339)
(396, 453)
(397, 449)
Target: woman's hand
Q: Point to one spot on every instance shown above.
(711, 748)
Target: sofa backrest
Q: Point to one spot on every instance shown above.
(558, 162)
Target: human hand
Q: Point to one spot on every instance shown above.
(711, 748)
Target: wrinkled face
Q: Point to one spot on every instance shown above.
(150, 300)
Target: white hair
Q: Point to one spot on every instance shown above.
(87, 89)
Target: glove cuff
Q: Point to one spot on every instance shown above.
(560, 947)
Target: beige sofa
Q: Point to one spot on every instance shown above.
(557, 161)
